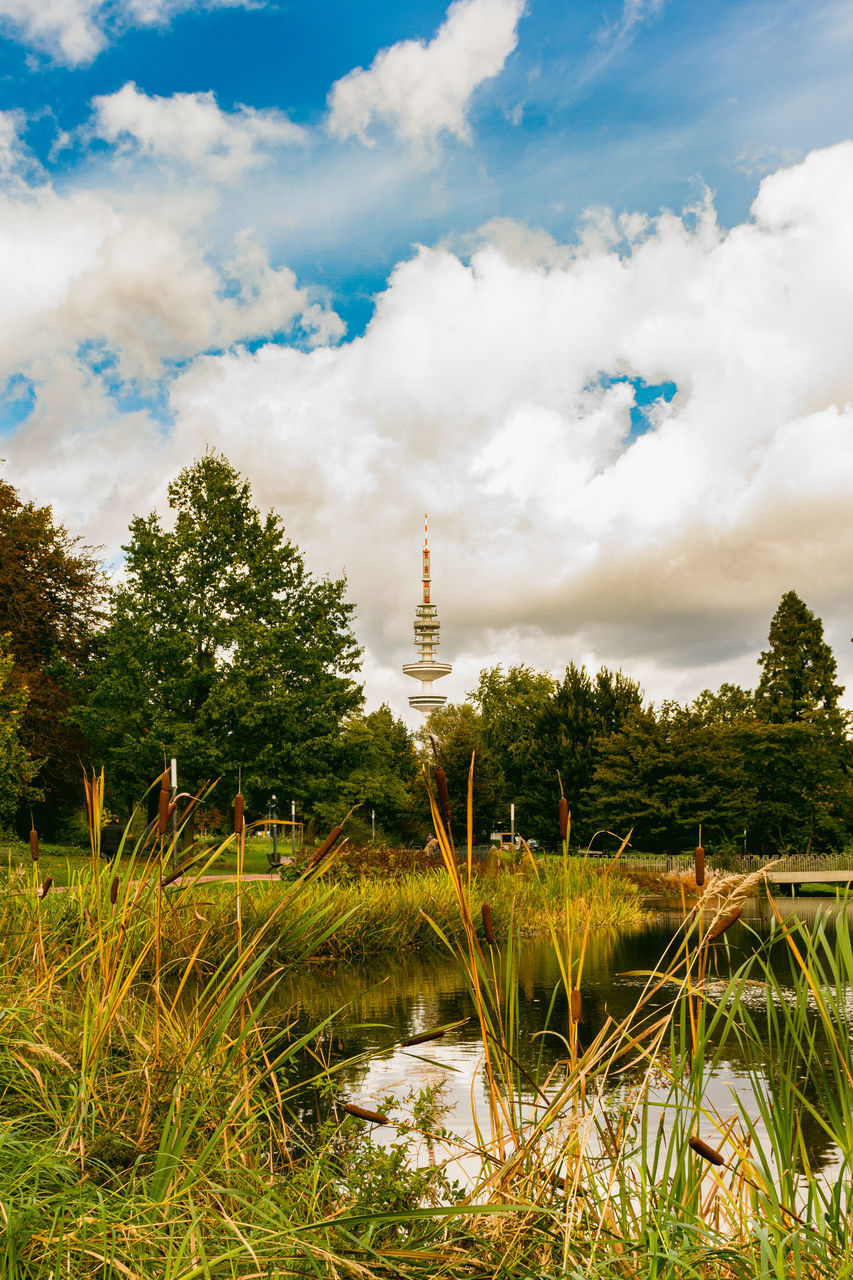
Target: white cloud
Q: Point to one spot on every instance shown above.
(16, 161)
(633, 13)
(190, 129)
(421, 90)
(77, 270)
(482, 392)
(75, 31)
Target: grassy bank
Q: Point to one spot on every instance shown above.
(357, 919)
(392, 915)
(351, 916)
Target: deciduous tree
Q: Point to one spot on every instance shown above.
(51, 600)
(17, 767)
(222, 650)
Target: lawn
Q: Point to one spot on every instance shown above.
(61, 861)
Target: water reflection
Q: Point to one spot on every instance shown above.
(393, 999)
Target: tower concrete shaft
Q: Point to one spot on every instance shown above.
(427, 626)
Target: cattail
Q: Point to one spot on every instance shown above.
(488, 924)
(45, 889)
(564, 819)
(114, 891)
(726, 923)
(362, 1113)
(576, 1005)
(165, 798)
(700, 866)
(239, 814)
(87, 791)
(34, 844)
(707, 1152)
(421, 1039)
(443, 795)
(326, 846)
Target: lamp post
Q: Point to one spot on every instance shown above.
(373, 826)
(512, 825)
(173, 772)
(293, 828)
(274, 830)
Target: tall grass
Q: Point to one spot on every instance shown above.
(149, 1124)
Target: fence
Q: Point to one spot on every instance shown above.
(751, 862)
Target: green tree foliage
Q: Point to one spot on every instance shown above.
(728, 705)
(379, 768)
(799, 756)
(457, 731)
(17, 768)
(512, 706)
(799, 785)
(583, 713)
(537, 726)
(222, 650)
(665, 774)
(51, 600)
(798, 669)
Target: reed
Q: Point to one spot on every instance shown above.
(185, 1158)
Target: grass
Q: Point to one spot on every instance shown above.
(64, 861)
(150, 1101)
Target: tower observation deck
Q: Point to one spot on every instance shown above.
(426, 669)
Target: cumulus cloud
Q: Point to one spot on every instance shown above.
(74, 32)
(420, 90)
(496, 391)
(80, 273)
(190, 129)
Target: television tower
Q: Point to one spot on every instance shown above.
(426, 669)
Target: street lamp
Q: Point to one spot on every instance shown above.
(274, 830)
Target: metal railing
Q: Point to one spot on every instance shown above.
(743, 864)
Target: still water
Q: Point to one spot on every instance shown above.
(396, 998)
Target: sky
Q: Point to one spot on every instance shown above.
(574, 278)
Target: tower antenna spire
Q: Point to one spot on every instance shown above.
(427, 626)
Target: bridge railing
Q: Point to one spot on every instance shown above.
(751, 862)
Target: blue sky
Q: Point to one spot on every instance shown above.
(521, 230)
(635, 106)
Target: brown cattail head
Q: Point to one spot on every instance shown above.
(443, 795)
(326, 846)
(239, 814)
(114, 891)
(707, 1152)
(726, 923)
(421, 1039)
(576, 1005)
(488, 924)
(45, 889)
(34, 844)
(163, 813)
(564, 818)
(700, 866)
(363, 1113)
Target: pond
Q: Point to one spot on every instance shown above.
(397, 998)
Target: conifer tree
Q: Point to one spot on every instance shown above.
(798, 669)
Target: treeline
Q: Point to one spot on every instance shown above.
(218, 646)
(765, 771)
